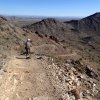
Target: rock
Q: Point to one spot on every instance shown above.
(84, 93)
(5, 70)
(3, 20)
(39, 58)
(39, 34)
(60, 98)
(1, 65)
(54, 39)
(69, 61)
(78, 85)
(97, 95)
(68, 96)
(91, 72)
(77, 65)
(76, 93)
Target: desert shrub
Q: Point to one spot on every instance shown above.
(1, 28)
(59, 60)
(1, 65)
(98, 69)
(4, 56)
(21, 49)
(64, 47)
(98, 56)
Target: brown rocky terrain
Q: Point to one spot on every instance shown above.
(68, 34)
(64, 62)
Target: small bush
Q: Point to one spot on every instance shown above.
(98, 69)
(21, 49)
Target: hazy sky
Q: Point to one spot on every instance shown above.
(50, 7)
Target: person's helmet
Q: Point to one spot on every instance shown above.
(28, 39)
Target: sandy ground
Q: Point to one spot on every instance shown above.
(25, 80)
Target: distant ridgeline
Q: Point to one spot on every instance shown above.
(90, 24)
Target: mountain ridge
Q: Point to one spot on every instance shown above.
(90, 24)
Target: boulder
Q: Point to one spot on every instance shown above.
(91, 72)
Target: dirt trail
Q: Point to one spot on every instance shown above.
(25, 80)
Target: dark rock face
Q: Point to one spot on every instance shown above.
(40, 35)
(90, 24)
(54, 39)
(91, 72)
(87, 39)
(2, 20)
(73, 23)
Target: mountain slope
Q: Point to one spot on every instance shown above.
(90, 24)
(52, 27)
(9, 34)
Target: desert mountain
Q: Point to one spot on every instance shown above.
(64, 62)
(52, 27)
(90, 24)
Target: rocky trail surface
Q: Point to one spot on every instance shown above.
(48, 77)
(25, 80)
(40, 78)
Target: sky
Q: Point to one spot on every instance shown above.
(58, 8)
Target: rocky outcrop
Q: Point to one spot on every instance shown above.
(91, 72)
(70, 84)
(3, 18)
(54, 39)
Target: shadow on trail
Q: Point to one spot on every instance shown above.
(20, 57)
